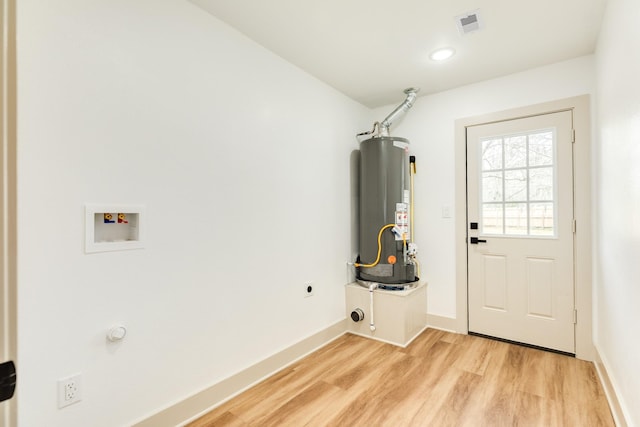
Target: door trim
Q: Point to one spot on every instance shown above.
(580, 106)
(8, 200)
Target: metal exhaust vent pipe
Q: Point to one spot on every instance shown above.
(412, 94)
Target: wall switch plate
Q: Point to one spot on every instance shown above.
(69, 390)
(446, 211)
(309, 287)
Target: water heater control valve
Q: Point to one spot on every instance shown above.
(412, 249)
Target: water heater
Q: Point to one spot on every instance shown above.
(387, 255)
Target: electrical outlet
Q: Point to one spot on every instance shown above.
(308, 289)
(69, 390)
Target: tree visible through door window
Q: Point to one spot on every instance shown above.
(518, 185)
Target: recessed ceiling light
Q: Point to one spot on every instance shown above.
(442, 54)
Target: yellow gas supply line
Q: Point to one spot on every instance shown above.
(357, 264)
(412, 173)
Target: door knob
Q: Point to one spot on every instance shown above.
(475, 241)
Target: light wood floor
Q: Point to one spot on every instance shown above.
(441, 379)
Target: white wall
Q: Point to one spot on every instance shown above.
(617, 288)
(242, 161)
(430, 126)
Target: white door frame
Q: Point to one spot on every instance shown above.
(580, 106)
(8, 203)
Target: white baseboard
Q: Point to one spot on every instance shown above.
(405, 345)
(609, 387)
(204, 401)
(443, 323)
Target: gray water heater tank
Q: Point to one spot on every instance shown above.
(385, 201)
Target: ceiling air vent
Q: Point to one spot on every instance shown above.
(469, 22)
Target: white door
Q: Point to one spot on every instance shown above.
(520, 230)
(7, 213)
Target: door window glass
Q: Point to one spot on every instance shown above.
(518, 184)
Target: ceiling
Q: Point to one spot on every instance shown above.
(371, 50)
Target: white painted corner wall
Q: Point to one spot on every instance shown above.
(430, 126)
(242, 163)
(617, 235)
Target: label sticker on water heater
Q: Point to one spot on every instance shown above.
(406, 197)
(402, 220)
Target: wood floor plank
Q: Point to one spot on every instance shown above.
(357, 394)
(301, 409)
(423, 380)
(360, 365)
(447, 401)
(272, 394)
(215, 418)
(441, 379)
(475, 357)
(371, 394)
(422, 344)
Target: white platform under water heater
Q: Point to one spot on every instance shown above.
(399, 316)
